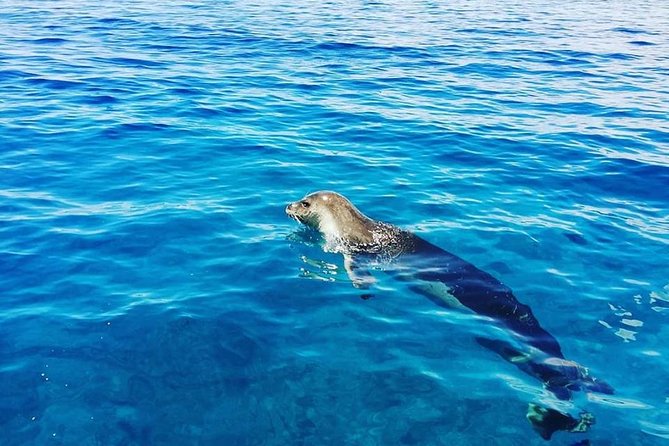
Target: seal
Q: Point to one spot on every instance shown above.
(450, 281)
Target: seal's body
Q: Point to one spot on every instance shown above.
(444, 277)
(349, 231)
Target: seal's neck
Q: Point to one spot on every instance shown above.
(346, 225)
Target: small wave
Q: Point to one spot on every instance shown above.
(55, 84)
(350, 46)
(576, 238)
(118, 21)
(14, 74)
(50, 41)
(203, 112)
(102, 100)
(621, 56)
(657, 162)
(185, 91)
(134, 127)
(134, 62)
(499, 31)
(623, 403)
(567, 74)
(642, 43)
(627, 30)
(482, 68)
(163, 47)
(657, 430)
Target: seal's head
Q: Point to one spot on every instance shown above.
(333, 216)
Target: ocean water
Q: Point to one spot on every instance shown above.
(153, 291)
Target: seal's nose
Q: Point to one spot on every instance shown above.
(289, 208)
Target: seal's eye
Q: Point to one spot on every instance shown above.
(305, 204)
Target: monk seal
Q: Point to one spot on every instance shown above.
(447, 279)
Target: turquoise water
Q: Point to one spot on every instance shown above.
(154, 291)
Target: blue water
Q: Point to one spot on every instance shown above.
(153, 292)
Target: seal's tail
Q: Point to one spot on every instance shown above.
(559, 375)
(547, 421)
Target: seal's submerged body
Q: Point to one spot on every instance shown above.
(445, 278)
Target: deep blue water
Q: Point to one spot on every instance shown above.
(154, 292)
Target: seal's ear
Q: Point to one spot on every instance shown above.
(360, 277)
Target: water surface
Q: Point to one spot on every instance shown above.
(154, 292)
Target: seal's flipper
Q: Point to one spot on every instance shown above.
(591, 384)
(553, 378)
(505, 350)
(562, 373)
(360, 277)
(547, 421)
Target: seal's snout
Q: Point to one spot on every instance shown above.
(293, 211)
